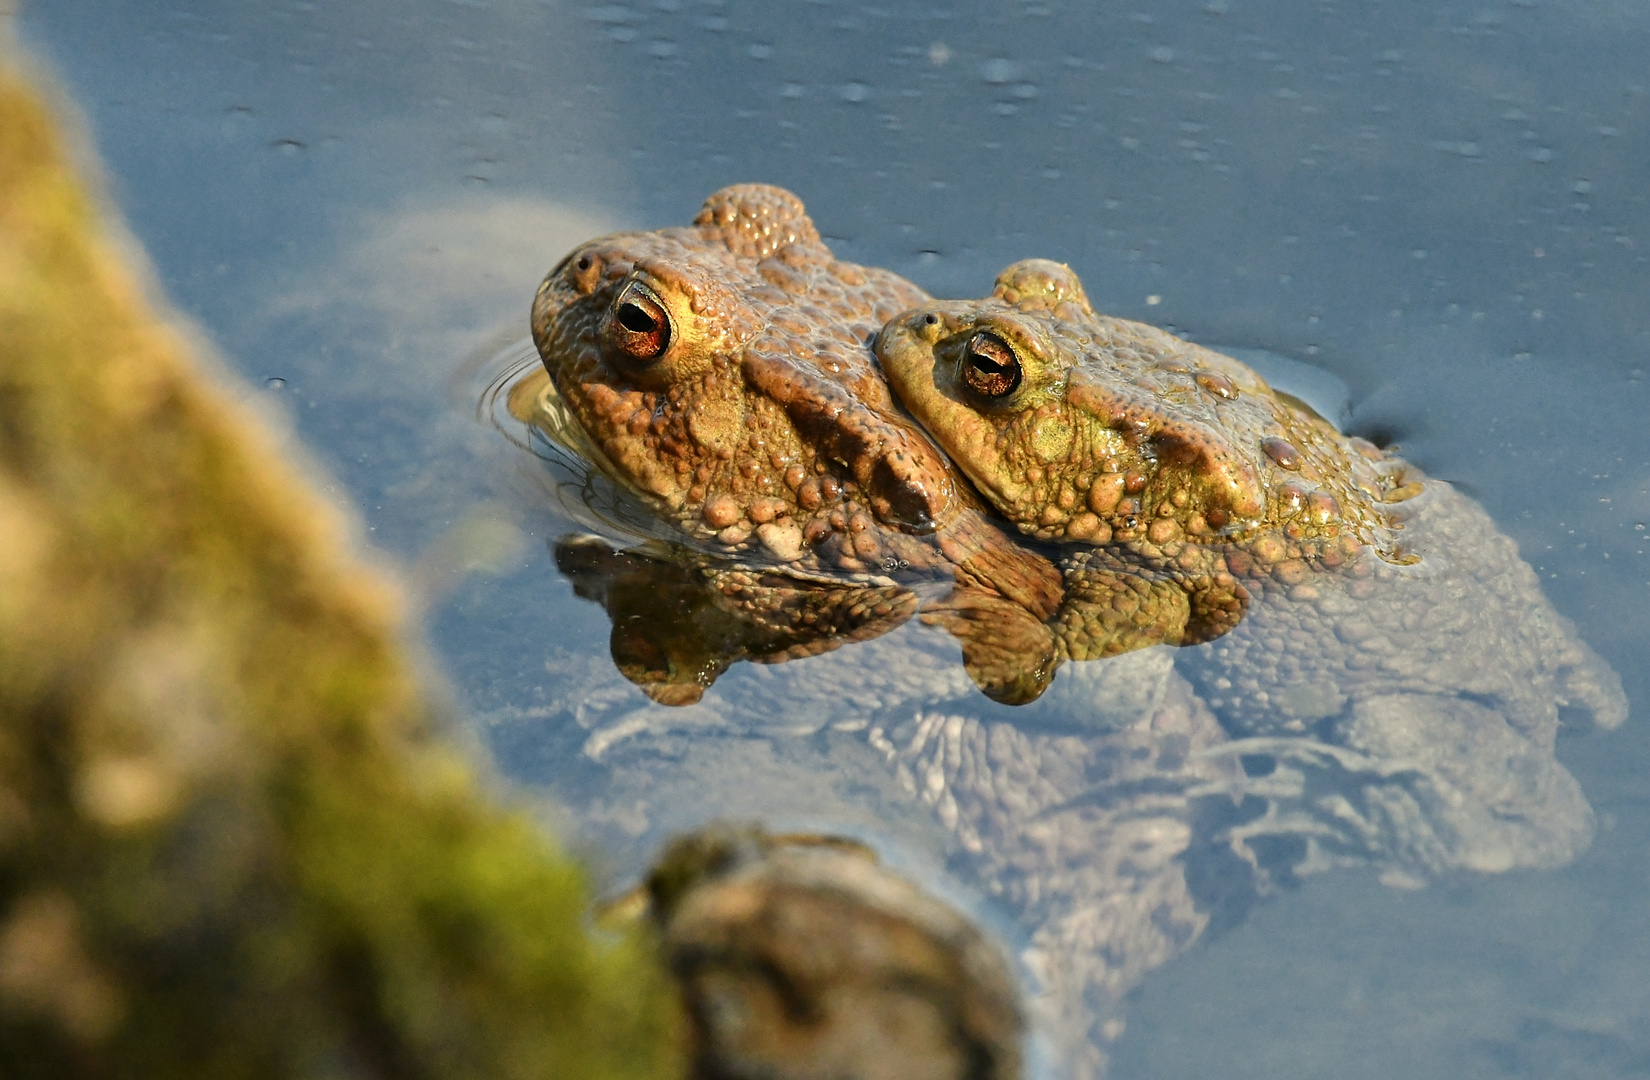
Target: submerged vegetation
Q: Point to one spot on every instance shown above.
(232, 843)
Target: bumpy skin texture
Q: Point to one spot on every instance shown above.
(1461, 632)
(724, 371)
(1122, 437)
(1354, 578)
(762, 425)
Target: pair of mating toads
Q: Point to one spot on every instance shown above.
(826, 436)
(832, 452)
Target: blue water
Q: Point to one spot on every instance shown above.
(1441, 205)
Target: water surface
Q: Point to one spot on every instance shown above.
(1442, 205)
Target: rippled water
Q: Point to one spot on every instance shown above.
(1441, 205)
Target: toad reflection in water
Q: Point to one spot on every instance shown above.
(1115, 817)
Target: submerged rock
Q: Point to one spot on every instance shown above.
(800, 957)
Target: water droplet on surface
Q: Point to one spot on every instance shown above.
(1153, 300)
(274, 382)
(998, 71)
(854, 92)
(1282, 452)
(289, 147)
(1217, 384)
(760, 51)
(939, 54)
(1162, 54)
(611, 14)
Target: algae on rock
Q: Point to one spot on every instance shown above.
(230, 845)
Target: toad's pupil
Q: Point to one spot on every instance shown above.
(636, 320)
(993, 369)
(641, 328)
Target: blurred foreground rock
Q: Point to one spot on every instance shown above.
(229, 846)
(802, 959)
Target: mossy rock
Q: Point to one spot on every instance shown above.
(230, 845)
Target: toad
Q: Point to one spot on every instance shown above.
(1331, 582)
(724, 372)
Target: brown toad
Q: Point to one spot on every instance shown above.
(1333, 582)
(724, 371)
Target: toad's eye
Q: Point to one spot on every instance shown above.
(990, 366)
(639, 325)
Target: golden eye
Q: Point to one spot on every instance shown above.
(639, 325)
(990, 366)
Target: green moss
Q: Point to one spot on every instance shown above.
(229, 844)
